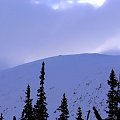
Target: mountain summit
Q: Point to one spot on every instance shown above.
(82, 77)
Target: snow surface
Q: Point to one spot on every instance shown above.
(82, 77)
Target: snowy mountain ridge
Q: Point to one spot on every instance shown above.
(82, 77)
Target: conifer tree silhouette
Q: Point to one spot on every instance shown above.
(63, 108)
(40, 109)
(14, 118)
(27, 113)
(1, 117)
(79, 114)
(118, 99)
(112, 97)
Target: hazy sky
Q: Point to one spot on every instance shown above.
(35, 29)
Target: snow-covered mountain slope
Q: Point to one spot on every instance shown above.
(82, 77)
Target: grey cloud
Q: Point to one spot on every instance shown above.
(31, 32)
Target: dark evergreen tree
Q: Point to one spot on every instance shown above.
(14, 118)
(118, 91)
(63, 108)
(40, 109)
(27, 113)
(1, 117)
(118, 96)
(22, 116)
(112, 97)
(79, 114)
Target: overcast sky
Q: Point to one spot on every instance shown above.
(36, 29)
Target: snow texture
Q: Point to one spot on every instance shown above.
(82, 77)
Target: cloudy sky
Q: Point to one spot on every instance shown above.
(36, 29)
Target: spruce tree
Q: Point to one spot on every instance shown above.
(118, 98)
(14, 118)
(1, 117)
(22, 116)
(112, 97)
(63, 108)
(27, 113)
(79, 114)
(40, 109)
